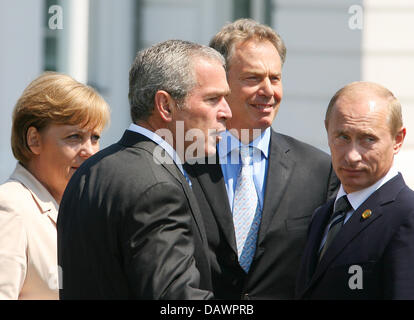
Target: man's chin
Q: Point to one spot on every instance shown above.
(353, 185)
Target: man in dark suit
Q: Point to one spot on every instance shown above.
(129, 226)
(255, 245)
(361, 244)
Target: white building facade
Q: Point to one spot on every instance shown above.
(329, 44)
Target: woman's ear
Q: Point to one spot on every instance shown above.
(33, 140)
(164, 105)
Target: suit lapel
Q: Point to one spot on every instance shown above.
(356, 224)
(319, 223)
(137, 140)
(279, 172)
(310, 254)
(210, 178)
(349, 231)
(173, 169)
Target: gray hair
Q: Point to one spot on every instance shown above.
(165, 66)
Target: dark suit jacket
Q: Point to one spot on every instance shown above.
(131, 228)
(381, 246)
(300, 178)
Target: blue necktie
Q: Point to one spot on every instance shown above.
(246, 210)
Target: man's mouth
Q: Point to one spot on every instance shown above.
(263, 107)
(350, 171)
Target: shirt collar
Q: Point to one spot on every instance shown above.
(228, 143)
(358, 197)
(161, 142)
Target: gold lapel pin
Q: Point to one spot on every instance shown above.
(366, 214)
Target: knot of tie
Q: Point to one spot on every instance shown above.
(246, 155)
(342, 205)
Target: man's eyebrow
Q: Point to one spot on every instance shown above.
(260, 72)
(219, 93)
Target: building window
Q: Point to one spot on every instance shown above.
(259, 10)
(241, 9)
(51, 40)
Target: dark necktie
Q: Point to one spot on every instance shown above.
(342, 206)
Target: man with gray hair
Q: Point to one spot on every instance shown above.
(129, 226)
(256, 245)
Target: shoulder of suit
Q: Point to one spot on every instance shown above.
(15, 198)
(405, 198)
(120, 167)
(291, 144)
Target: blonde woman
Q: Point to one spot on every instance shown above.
(57, 123)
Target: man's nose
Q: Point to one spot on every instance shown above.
(225, 111)
(266, 88)
(353, 154)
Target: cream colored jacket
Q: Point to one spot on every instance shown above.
(28, 239)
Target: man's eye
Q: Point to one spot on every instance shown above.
(343, 137)
(213, 99)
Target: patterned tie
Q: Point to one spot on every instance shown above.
(246, 210)
(342, 206)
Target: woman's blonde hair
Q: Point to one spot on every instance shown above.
(59, 99)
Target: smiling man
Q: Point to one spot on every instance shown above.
(256, 244)
(361, 244)
(129, 226)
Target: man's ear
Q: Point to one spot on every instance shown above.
(399, 139)
(33, 140)
(164, 105)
